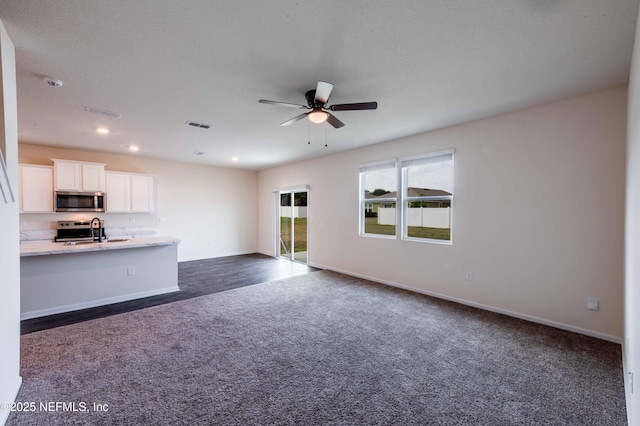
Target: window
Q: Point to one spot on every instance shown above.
(427, 194)
(378, 195)
(426, 197)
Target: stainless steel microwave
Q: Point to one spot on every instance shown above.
(80, 201)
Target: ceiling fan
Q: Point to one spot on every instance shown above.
(317, 102)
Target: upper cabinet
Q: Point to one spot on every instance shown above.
(78, 176)
(125, 192)
(141, 193)
(118, 192)
(36, 189)
(129, 192)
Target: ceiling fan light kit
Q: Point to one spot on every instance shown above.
(317, 116)
(317, 102)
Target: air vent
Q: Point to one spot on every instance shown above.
(200, 125)
(102, 112)
(198, 153)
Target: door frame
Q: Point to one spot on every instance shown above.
(277, 193)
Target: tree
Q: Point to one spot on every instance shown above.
(379, 191)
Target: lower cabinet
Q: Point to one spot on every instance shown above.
(129, 192)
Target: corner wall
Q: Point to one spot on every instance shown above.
(538, 214)
(632, 243)
(9, 238)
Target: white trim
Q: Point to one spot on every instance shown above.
(427, 155)
(626, 369)
(368, 167)
(404, 198)
(277, 231)
(276, 224)
(94, 303)
(4, 414)
(429, 240)
(295, 188)
(538, 320)
(384, 236)
(377, 164)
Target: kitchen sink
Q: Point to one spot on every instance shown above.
(110, 240)
(77, 243)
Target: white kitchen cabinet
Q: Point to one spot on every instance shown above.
(141, 193)
(78, 176)
(36, 189)
(129, 192)
(93, 177)
(118, 190)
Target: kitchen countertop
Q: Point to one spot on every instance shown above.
(47, 248)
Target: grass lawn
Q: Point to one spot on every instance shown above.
(371, 227)
(299, 234)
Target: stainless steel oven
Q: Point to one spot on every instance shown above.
(80, 201)
(80, 231)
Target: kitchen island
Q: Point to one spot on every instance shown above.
(59, 277)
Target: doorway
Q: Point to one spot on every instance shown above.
(293, 211)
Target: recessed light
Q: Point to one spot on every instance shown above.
(235, 159)
(133, 148)
(102, 130)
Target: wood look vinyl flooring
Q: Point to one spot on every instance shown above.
(195, 278)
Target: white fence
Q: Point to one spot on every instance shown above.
(298, 211)
(439, 217)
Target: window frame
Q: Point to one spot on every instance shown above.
(362, 169)
(405, 199)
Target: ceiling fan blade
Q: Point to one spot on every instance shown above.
(333, 120)
(285, 104)
(323, 91)
(354, 107)
(294, 119)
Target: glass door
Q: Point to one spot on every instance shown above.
(292, 225)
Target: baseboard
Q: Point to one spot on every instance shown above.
(538, 320)
(94, 303)
(4, 414)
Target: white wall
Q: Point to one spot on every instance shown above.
(9, 243)
(211, 209)
(632, 266)
(537, 214)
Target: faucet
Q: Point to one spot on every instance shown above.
(95, 224)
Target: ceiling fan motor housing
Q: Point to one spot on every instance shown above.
(311, 99)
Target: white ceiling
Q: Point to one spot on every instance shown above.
(428, 64)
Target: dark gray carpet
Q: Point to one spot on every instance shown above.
(321, 348)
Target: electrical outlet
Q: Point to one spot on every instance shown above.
(592, 303)
(132, 220)
(131, 270)
(468, 276)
